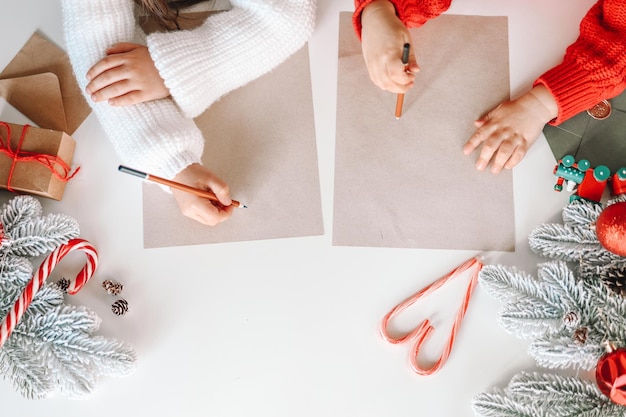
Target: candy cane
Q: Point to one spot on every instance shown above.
(424, 329)
(39, 277)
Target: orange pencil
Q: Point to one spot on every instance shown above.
(405, 61)
(177, 185)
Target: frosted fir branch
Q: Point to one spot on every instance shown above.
(71, 362)
(112, 357)
(581, 213)
(527, 300)
(83, 359)
(562, 352)
(69, 329)
(14, 275)
(607, 313)
(540, 395)
(48, 297)
(59, 323)
(562, 242)
(15, 271)
(42, 235)
(546, 386)
(504, 283)
(72, 377)
(26, 372)
(564, 289)
(553, 308)
(52, 348)
(593, 268)
(19, 209)
(527, 318)
(498, 404)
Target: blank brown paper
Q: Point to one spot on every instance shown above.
(406, 183)
(260, 139)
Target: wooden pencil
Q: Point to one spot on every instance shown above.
(400, 98)
(177, 185)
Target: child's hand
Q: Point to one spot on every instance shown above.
(508, 131)
(382, 37)
(198, 208)
(126, 76)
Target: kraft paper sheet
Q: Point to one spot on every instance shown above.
(260, 139)
(406, 183)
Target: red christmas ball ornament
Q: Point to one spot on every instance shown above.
(611, 374)
(611, 228)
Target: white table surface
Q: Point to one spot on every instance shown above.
(288, 327)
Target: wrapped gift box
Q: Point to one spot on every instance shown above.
(41, 165)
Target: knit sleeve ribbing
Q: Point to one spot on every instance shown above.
(153, 136)
(230, 49)
(412, 13)
(594, 66)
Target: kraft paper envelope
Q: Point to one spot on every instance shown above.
(39, 97)
(601, 142)
(406, 183)
(40, 56)
(10, 114)
(261, 140)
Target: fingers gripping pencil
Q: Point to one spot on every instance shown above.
(405, 60)
(196, 191)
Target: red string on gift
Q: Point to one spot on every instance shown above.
(59, 168)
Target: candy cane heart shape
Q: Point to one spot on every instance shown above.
(42, 273)
(421, 333)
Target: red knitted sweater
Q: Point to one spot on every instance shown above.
(593, 68)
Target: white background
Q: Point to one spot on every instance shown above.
(288, 327)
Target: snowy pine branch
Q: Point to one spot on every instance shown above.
(545, 395)
(581, 213)
(18, 210)
(42, 235)
(53, 347)
(570, 315)
(562, 242)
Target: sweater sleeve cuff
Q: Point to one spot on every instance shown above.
(356, 16)
(411, 14)
(570, 87)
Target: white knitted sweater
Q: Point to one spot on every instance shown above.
(199, 66)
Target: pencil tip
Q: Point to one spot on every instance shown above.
(244, 206)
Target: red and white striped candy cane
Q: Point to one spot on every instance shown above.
(39, 277)
(421, 332)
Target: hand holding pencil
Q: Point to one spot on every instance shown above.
(207, 200)
(383, 36)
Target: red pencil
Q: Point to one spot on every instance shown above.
(177, 185)
(405, 61)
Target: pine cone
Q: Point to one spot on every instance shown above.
(580, 335)
(63, 284)
(615, 279)
(120, 307)
(113, 288)
(571, 319)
